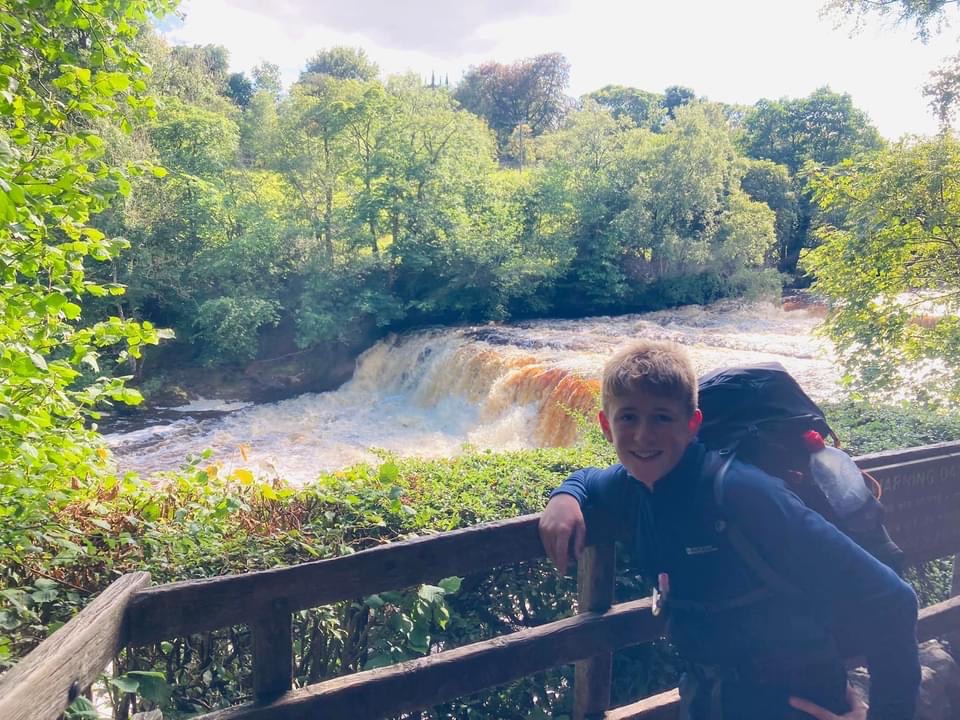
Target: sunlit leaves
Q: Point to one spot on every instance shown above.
(64, 68)
(889, 265)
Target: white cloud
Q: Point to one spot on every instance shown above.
(734, 51)
(432, 26)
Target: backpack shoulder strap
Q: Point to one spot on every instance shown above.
(716, 465)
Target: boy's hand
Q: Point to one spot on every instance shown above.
(562, 520)
(858, 708)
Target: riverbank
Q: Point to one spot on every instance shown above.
(170, 377)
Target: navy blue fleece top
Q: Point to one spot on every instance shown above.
(845, 592)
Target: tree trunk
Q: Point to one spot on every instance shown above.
(328, 223)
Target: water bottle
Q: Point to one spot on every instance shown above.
(837, 476)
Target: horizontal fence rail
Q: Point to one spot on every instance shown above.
(922, 499)
(196, 605)
(416, 684)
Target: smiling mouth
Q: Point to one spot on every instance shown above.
(650, 455)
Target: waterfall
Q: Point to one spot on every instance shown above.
(500, 386)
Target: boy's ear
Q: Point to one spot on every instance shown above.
(605, 426)
(696, 420)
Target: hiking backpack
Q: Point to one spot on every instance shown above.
(759, 415)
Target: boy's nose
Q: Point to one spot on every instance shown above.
(640, 431)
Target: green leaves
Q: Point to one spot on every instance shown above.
(53, 180)
(149, 685)
(888, 267)
(450, 585)
(82, 709)
(389, 472)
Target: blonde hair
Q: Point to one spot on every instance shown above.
(653, 366)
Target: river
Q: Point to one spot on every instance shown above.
(499, 386)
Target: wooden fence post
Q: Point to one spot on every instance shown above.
(955, 579)
(272, 651)
(45, 682)
(596, 572)
(954, 637)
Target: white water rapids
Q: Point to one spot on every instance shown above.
(502, 386)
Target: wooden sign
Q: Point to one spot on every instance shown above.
(922, 500)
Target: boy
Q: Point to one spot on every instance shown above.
(753, 653)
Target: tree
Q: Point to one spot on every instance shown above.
(675, 96)
(888, 264)
(212, 61)
(194, 75)
(343, 63)
(239, 89)
(644, 108)
(64, 68)
(193, 140)
(213, 250)
(313, 152)
(823, 128)
(772, 184)
(589, 168)
(678, 201)
(926, 16)
(943, 90)
(520, 146)
(258, 130)
(744, 236)
(687, 214)
(170, 223)
(266, 78)
(530, 92)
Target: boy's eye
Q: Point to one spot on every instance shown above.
(663, 418)
(627, 417)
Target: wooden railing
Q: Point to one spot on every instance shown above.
(921, 493)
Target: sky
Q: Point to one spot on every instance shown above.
(735, 51)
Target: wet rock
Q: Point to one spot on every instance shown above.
(317, 371)
(169, 396)
(498, 336)
(148, 715)
(939, 687)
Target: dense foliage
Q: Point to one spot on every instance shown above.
(888, 264)
(65, 71)
(529, 96)
(351, 205)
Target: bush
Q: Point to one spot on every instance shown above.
(226, 328)
(705, 288)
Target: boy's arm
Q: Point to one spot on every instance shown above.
(863, 598)
(562, 521)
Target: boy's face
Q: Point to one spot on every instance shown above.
(649, 432)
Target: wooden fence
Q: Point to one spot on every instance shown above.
(921, 493)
